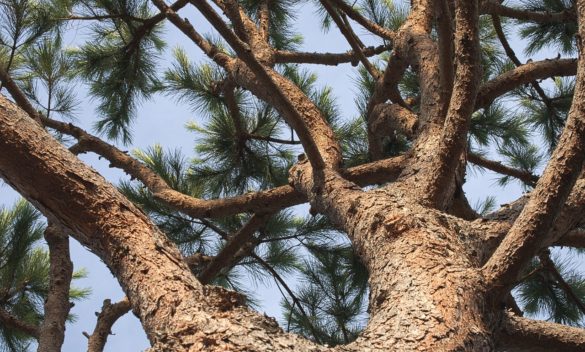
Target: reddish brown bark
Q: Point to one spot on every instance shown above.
(109, 314)
(430, 286)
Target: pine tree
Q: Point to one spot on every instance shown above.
(391, 255)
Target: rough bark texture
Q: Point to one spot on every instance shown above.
(52, 330)
(437, 281)
(105, 320)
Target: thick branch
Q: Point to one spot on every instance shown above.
(262, 201)
(445, 32)
(436, 184)
(173, 307)
(541, 335)
(52, 330)
(530, 231)
(105, 320)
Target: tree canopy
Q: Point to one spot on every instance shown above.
(389, 256)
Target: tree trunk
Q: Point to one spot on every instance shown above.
(423, 290)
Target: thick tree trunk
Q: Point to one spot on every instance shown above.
(424, 292)
(176, 311)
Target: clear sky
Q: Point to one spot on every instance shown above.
(162, 120)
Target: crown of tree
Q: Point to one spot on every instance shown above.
(391, 257)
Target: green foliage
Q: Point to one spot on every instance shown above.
(384, 13)
(486, 206)
(47, 65)
(553, 35)
(24, 272)
(191, 236)
(542, 295)
(281, 15)
(121, 70)
(243, 145)
(232, 162)
(332, 294)
(22, 22)
(548, 115)
(522, 157)
(197, 86)
(495, 125)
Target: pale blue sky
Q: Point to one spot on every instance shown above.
(162, 120)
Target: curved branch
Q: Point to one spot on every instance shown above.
(262, 201)
(530, 233)
(523, 75)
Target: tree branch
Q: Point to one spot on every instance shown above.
(149, 24)
(12, 322)
(366, 23)
(105, 320)
(549, 265)
(508, 49)
(235, 242)
(19, 98)
(494, 7)
(262, 201)
(184, 26)
(498, 167)
(453, 141)
(57, 305)
(574, 238)
(290, 292)
(332, 59)
(541, 335)
(351, 39)
(171, 304)
(524, 74)
(530, 233)
(445, 32)
(315, 134)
